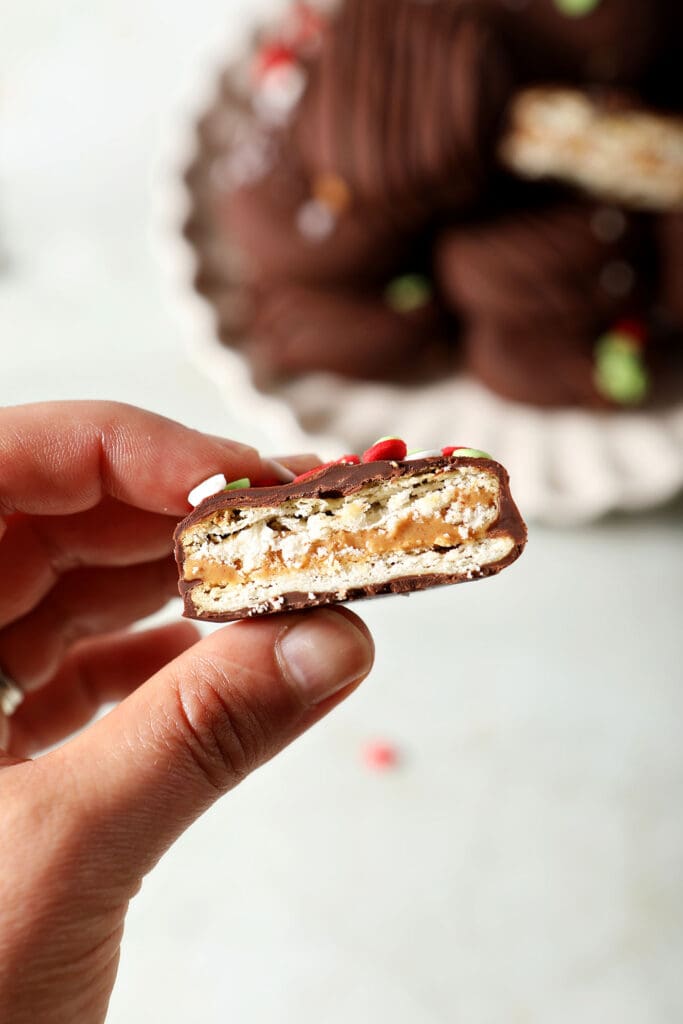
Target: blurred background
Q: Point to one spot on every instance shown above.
(521, 860)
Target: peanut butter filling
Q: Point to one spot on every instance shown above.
(342, 547)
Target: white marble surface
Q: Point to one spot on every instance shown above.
(525, 863)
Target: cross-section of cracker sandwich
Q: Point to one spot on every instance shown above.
(346, 533)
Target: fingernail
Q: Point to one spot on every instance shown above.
(279, 471)
(322, 653)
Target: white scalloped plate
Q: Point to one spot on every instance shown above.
(567, 466)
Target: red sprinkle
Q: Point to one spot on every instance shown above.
(390, 450)
(346, 460)
(380, 756)
(447, 452)
(273, 55)
(635, 329)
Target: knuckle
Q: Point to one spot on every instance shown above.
(217, 727)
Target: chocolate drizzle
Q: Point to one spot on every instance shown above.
(405, 103)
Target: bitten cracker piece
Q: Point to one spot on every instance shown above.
(628, 155)
(347, 532)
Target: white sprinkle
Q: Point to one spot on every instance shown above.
(429, 453)
(206, 489)
(280, 90)
(315, 220)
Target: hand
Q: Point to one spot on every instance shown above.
(89, 495)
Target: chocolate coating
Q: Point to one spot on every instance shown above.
(549, 261)
(300, 329)
(670, 240)
(533, 364)
(537, 289)
(362, 247)
(336, 482)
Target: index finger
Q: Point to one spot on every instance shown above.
(62, 457)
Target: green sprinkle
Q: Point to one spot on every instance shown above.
(620, 374)
(408, 293)
(576, 8)
(473, 453)
(238, 485)
(389, 437)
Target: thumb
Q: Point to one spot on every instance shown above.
(143, 773)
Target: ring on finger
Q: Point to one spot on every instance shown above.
(11, 694)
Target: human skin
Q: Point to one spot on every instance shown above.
(89, 495)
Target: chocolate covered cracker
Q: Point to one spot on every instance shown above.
(347, 531)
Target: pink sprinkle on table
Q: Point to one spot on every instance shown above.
(380, 756)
